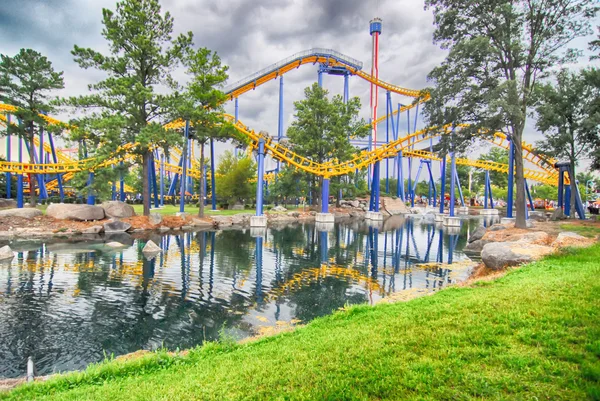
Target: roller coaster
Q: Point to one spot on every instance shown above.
(54, 167)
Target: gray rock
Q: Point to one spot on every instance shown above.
(558, 214)
(27, 213)
(186, 228)
(155, 218)
(115, 244)
(475, 246)
(201, 223)
(497, 227)
(151, 248)
(241, 219)
(497, 255)
(8, 203)
(279, 209)
(92, 230)
(63, 211)
(238, 206)
(116, 226)
(163, 229)
(571, 239)
(222, 220)
(183, 215)
(477, 234)
(6, 253)
(294, 214)
(538, 216)
(117, 209)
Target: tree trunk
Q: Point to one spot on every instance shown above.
(32, 177)
(520, 221)
(146, 182)
(202, 194)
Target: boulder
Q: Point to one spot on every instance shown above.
(279, 209)
(538, 216)
(155, 218)
(558, 214)
(475, 246)
(6, 253)
(151, 248)
(241, 219)
(163, 229)
(63, 211)
(237, 206)
(183, 215)
(497, 255)
(566, 239)
(92, 230)
(114, 244)
(116, 226)
(294, 214)
(117, 209)
(27, 213)
(477, 234)
(222, 220)
(201, 223)
(497, 227)
(8, 203)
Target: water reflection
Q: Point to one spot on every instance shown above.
(70, 304)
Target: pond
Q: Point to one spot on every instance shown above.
(73, 303)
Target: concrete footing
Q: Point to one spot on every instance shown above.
(489, 212)
(258, 221)
(439, 218)
(463, 210)
(324, 218)
(256, 232)
(376, 216)
(507, 220)
(324, 226)
(451, 221)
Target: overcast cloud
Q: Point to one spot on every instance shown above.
(248, 35)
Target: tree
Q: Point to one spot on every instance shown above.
(563, 116)
(201, 103)
(497, 155)
(25, 82)
(595, 46)
(126, 106)
(322, 128)
(290, 183)
(498, 50)
(234, 176)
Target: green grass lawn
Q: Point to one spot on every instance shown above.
(585, 230)
(531, 335)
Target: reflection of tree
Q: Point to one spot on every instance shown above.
(234, 252)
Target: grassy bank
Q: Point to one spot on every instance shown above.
(533, 334)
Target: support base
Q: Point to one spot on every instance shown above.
(451, 221)
(324, 218)
(258, 232)
(489, 212)
(328, 227)
(439, 218)
(463, 210)
(258, 221)
(507, 220)
(376, 216)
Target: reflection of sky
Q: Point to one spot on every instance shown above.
(67, 307)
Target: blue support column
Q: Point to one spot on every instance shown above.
(205, 200)
(432, 185)
(511, 165)
(320, 78)
(183, 180)
(443, 186)
(567, 210)
(121, 183)
(387, 140)
(346, 91)
(485, 190)
(561, 188)
(153, 176)
(260, 178)
(374, 207)
(162, 180)
(400, 183)
(532, 206)
(452, 182)
(113, 192)
(325, 196)
(280, 123)
(20, 177)
(324, 247)
(174, 182)
(91, 199)
(8, 149)
(213, 180)
(414, 187)
(460, 193)
(61, 191)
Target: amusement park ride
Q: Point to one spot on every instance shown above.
(54, 167)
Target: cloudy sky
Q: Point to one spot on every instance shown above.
(248, 35)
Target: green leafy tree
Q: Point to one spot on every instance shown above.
(26, 81)
(289, 184)
(570, 131)
(544, 191)
(497, 155)
(235, 176)
(201, 103)
(322, 128)
(497, 51)
(127, 106)
(595, 46)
